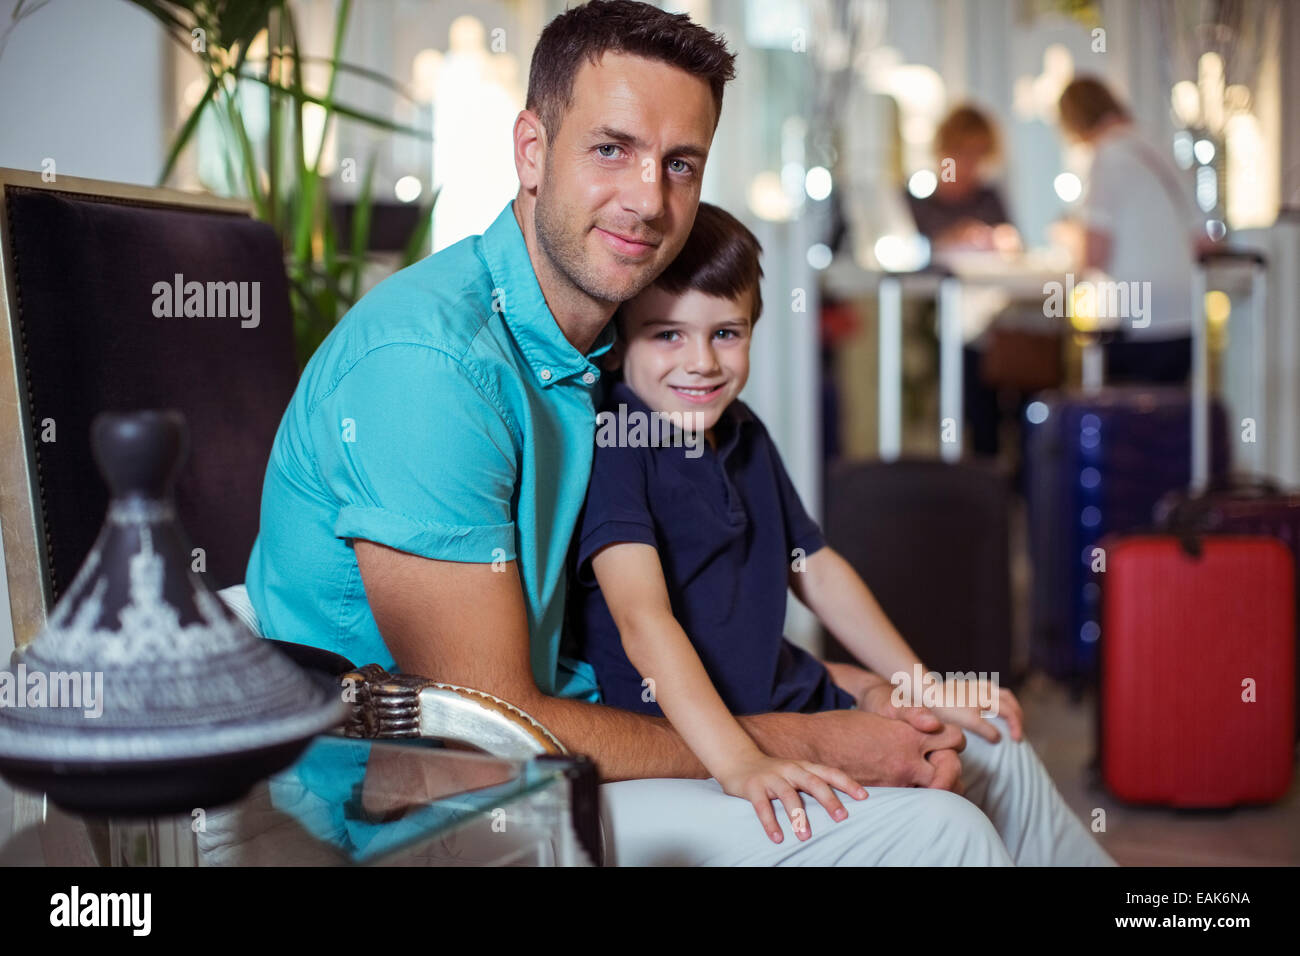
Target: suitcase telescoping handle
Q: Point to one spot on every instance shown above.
(1201, 354)
(947, 289)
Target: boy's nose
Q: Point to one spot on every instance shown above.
(702, 359)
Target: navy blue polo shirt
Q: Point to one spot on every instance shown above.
(726, 525)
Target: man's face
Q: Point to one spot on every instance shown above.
(622, 174)
(687, 352)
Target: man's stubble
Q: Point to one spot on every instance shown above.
(564, 246)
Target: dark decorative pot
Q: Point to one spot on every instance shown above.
(193, 707)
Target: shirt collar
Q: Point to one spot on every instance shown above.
(516, 294)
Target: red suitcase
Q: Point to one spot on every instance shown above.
(1198, 647)
(1198, 670)
(1241, 505)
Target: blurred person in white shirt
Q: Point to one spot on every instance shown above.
(1141, 225)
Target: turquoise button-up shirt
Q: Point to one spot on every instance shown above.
(446, 416)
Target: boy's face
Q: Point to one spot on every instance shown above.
(686, 352)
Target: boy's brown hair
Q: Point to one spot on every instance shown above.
(587, 32)
(720, 258)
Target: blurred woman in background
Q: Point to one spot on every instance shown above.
(966, 213)
(964, 210)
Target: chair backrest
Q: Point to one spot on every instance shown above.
(119, 298)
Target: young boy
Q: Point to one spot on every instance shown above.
(686, 547)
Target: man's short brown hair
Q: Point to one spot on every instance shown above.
(589, 31)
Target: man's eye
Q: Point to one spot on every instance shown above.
(679, 166)
(601, 149)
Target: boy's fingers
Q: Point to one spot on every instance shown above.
(984, 728)
(813, 784)
(763, 807)
(838, 779)
(789, 797)
(1015, 716)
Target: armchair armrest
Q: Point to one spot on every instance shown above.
(407, 705)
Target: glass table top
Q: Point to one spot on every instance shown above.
(348, 801)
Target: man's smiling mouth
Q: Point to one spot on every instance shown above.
(630, 247)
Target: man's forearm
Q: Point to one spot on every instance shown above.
(630, 746)
(876, 751)
(624, 745)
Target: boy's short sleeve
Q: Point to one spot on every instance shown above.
(618, 505)
(801, 531)
(417, 456)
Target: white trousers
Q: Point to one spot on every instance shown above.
(1012, 814)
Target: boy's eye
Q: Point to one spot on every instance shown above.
(666, 335)
(727, 333)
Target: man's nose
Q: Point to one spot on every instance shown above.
(644, 192)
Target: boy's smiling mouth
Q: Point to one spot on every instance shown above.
(699, 395)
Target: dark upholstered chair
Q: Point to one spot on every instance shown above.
(87, 268)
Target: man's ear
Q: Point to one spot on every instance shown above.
(530, 150)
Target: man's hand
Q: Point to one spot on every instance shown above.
(879, 752)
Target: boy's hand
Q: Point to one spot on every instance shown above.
(878, 699)
(968, 718)
(761, 779)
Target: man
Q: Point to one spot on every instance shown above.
(425, 481)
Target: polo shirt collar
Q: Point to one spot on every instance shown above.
(551, 357)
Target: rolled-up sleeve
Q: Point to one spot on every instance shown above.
(418, 457)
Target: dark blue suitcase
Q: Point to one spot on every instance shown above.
(1097, 463)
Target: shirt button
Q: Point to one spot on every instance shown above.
(589, 378)
(546, 375)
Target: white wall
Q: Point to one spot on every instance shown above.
(81, 81)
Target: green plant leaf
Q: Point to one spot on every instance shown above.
(187, 130)
(361, 217)
(370, 119)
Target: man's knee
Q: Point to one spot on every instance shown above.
(955, 832)
(1006, 754)
(916, 827)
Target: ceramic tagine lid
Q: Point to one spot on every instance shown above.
(144, 694)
